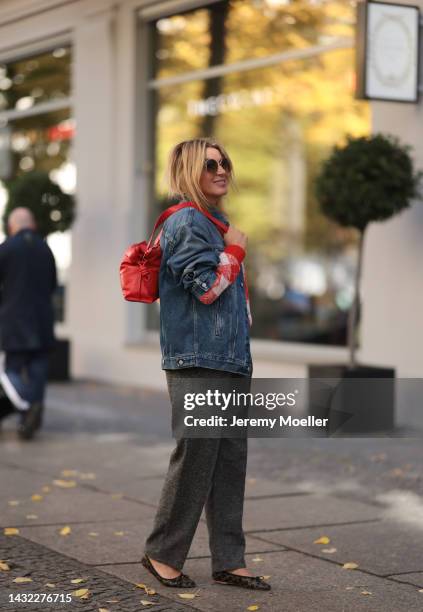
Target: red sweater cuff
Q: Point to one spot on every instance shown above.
(237, 251)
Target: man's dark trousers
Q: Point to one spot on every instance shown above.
(27, 371)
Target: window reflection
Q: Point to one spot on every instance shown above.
(278, 123)
(40, 142)
(29, 81)
(228, 32)
(182, 43)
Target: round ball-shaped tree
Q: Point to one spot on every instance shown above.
(370, 178)
(54, 210)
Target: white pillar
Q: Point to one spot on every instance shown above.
(95, 306)
(392, 288)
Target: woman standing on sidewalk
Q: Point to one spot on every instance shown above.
(204, 334)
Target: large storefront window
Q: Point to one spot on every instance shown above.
(36, 131)
(274, 81)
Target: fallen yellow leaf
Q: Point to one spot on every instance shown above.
(65, 530)
(81, 593)
(420, 590)
(147, 589)
(4, 567)
(119, 533)
(31, 516)
(67, 473)
(13, 502)
(350, 565)
(112, 600)
(187, 595)
(93, 534)
(50, 585)
(87, 476)
(77, 580)
(257, 559)
(253, 607)
(46, 489)
(322, 540)
(329, 551)
(103, 610)
(36, 497)
(11, 531)
(366, 592)
(22, 579)
(65, 484)
(145, 602)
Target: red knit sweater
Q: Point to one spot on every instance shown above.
(230, 264)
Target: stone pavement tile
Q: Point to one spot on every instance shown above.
(119, 452)
(66, 506)
(299, 584)
(148, 489)
(415, 578)
(200, 544)
(118, 542)
(18, 484)
(129, 460)
(256, 486)
(96, 395)
(383, 547)
(141, 489)
(303, 511)
(134, 483)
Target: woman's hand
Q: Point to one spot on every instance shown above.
(235, 236)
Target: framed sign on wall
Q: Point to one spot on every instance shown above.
(387, 51)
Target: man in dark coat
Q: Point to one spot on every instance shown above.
(27, 282)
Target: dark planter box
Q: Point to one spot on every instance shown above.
(58, 367)
(360, 400)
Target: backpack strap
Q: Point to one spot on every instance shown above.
(222, 227)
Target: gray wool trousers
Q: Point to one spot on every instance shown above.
(203, 472)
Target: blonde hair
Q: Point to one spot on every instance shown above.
(185, 165)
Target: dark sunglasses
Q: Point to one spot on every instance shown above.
(211, 165)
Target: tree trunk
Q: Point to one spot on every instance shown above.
(213, 87)
(352, 315)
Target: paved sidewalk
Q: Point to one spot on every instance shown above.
(96, 472)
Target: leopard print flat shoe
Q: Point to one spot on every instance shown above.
(246, 582)
(181, 582)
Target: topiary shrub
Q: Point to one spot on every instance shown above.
(371, 178)
(54, 210)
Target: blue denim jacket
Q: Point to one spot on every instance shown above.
(193, 334)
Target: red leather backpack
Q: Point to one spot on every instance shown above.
(140, 265)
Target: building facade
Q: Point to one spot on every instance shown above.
(95, 92)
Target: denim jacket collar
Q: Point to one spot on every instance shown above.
(219, 214)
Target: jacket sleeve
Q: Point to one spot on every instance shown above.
(2, 258)
(53, 271)
(199, 267)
